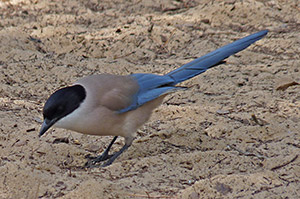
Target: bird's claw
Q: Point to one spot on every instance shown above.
(93, 161)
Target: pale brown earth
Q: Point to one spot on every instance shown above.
(233, 134)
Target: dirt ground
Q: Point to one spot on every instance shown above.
(235, 133)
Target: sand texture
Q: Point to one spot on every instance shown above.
(235, 133)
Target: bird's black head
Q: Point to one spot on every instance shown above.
(61, 103)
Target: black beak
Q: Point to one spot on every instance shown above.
(45, 126)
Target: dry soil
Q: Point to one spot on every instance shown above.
(233, 134)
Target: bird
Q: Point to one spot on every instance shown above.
(117, 105)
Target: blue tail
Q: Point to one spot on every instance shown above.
(212, 59)
(152, 86)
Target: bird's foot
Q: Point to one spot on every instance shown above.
(93, 161)
(110, 158)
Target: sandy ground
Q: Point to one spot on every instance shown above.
(233, 134)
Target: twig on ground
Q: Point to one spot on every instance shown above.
(246, 153)
(147, 196)
(284, 164)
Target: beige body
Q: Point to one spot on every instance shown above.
(98, 114)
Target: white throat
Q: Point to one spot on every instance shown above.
(73, 119)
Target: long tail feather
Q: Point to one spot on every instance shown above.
(211, 59)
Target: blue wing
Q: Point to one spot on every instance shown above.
(152, 86)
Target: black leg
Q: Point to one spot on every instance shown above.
(115, 155)
(104, 156)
